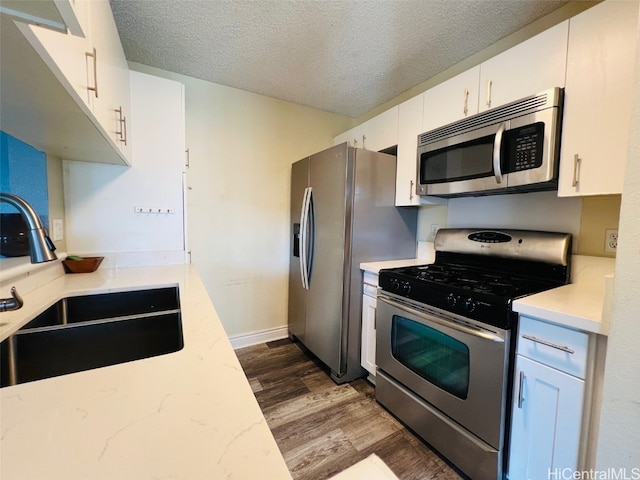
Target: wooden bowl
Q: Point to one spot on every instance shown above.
(84, 265)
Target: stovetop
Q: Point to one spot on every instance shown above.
(478, 274)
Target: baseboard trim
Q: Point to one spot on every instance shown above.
(263, 336)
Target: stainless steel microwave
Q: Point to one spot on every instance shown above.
(512, 148)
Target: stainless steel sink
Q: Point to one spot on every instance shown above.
(83, 333)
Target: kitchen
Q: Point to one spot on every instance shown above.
(229, 288)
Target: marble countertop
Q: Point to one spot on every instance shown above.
(185, 415)
(583, 305)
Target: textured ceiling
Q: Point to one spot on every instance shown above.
(342, 56)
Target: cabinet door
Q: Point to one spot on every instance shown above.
(60, 15)
(598, 99)
(66, 57)
(381, 131)
(452, 100)
(526, 69)
(112, 105)
(409, 127)
(368, 351)
(353, 137)
(546, 421)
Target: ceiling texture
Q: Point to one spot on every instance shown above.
(341, 56)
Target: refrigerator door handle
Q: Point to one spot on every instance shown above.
(304, 218)
(311, 220)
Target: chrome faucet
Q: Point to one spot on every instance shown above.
(40, 245)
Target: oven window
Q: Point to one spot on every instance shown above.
(435, 356)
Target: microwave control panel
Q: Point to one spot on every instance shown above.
(525, 146)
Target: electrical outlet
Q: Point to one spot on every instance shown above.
(57, 230)
(611, 240)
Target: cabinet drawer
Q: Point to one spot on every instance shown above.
(555, 346)
(370, 279)
(370, 290)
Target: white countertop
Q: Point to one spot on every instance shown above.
(584, 304)
(185, 415)
(581, 305)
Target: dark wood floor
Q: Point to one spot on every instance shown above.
(323, 428)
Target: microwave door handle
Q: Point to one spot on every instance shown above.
(497, 148)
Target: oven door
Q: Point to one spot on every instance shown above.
(456, 365)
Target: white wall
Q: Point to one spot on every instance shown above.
(100, 199)
(619, 440)
(528, 211)
(241, 149)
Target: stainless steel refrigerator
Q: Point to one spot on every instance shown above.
(342, 214)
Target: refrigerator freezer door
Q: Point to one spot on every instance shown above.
(328, 178)
(297, 294)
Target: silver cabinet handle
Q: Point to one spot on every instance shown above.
(411, 190)
(549, 344)
(466, 101)
(123, 126)
(521, 389)
(576, 170)
(497, 147)
(94, 55)
(489, 85)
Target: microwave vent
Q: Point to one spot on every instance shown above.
(547, 99)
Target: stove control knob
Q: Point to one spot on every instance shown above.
(406, 288)
(395, 285)
(470, 305)
(450, 300)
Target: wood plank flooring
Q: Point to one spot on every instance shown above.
(323, 428)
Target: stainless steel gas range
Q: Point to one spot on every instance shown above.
(445, 334)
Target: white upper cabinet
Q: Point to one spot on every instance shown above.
(381, 131)
(598, 99)
(94, 73)
(352, 136)
(452, 100)
(526, 69)
(61, 15)
(375, 134)
(112, 103)
(409, 127)
(410, 115)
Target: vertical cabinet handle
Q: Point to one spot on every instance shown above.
(489, 85)
(123, 126)
(521, 389)
(466, 101)
(94, 55)
(411, 190)
(576, 170)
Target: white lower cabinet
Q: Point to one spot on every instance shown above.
(552, 387)
(369, 303)
(545, 427)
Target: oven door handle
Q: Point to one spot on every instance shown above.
(451, 323)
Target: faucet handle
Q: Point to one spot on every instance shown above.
(14, 303)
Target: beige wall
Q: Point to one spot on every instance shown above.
(241, 147)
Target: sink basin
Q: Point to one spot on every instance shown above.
(83, 333)
(107, 305)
